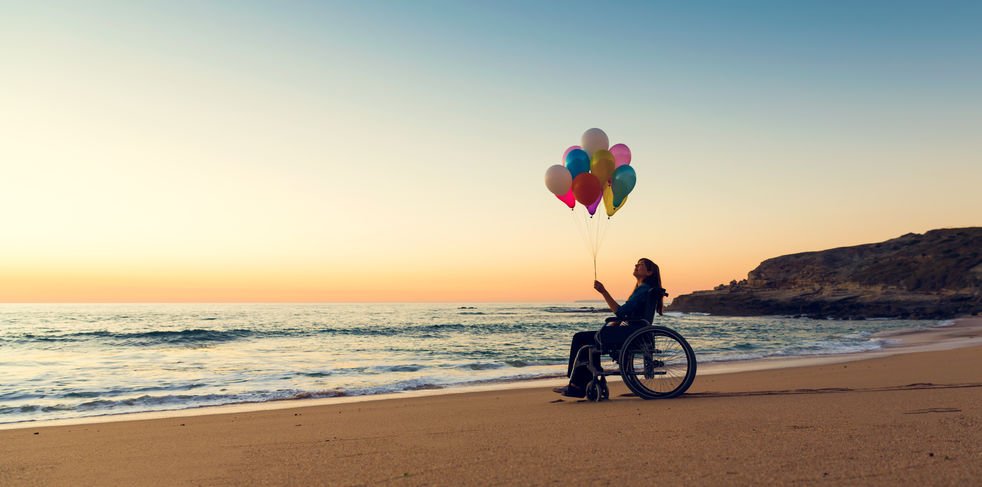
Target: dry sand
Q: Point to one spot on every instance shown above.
(913, 418)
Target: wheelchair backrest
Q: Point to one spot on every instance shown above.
(651, 305)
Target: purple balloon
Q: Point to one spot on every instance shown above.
(572, 147)
(593, 208)
(622, 154)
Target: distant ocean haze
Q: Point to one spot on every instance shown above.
(70, 361)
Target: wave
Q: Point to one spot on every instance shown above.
(423, 387)
(315, 374)
(314, 394)
(480, 366)
(214, 336)
(148, 402)
(581, 309)
(746, 351)
(27, 408)
(196, 335)
(174, 337)
(403, 368)
(166, 402)
(201, 336)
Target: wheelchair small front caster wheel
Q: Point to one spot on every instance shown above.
(594, 392)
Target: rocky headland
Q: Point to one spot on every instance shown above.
(936, 275)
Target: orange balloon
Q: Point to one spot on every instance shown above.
(587, 189)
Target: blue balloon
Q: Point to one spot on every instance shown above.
(622, 183)
(578, 162)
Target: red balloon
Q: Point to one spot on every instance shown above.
(568, 198)
(587, 188)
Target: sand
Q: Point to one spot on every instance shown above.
(910, 418)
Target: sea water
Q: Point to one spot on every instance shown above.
(68, 361)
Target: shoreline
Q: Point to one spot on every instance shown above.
(961, 333)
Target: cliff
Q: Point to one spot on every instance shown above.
(930, 276)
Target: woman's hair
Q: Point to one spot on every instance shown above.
(654, 280)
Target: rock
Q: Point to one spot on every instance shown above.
(936, 275)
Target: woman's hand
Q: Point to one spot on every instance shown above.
(599, 287)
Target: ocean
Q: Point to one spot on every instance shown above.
(61, 361)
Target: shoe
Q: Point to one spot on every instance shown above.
(570, 391)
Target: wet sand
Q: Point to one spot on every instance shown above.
(909, 418)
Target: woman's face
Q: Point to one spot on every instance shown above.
(641, 271)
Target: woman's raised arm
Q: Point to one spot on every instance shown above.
(610, 301)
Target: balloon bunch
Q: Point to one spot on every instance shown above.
(593, 171)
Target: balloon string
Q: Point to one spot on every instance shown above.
(603, 232)
(596, 246)
(581, 230)
(592, 232)
(586, 232)
(592, 241)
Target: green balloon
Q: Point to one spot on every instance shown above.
(623, 183)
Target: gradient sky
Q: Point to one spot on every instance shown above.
(395, 151)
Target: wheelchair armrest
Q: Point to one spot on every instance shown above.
(638, 321)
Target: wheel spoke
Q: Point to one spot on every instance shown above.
(658, 364)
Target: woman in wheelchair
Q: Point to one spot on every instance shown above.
(616, 332)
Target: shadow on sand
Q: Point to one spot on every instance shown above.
(834, 390)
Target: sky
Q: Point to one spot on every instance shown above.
(395, 151)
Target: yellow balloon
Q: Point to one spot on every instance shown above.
(602, 165)
(609, 201)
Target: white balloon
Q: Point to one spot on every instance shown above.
(558, 179)
(594, 140)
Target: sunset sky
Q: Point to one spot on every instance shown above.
(395, 151)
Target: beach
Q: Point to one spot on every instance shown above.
(910, 418)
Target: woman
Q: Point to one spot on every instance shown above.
(614, 334)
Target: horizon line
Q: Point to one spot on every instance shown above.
(301, 302)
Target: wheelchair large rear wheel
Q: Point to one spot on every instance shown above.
(657, 363)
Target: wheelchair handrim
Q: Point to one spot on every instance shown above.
(657, 362)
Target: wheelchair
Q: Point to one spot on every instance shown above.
(655, 362)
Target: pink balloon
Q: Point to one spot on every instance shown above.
(568, 198)
(593, 208)
(572, 147)
(622, 154)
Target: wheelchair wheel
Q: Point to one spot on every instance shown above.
(657, 363)
(595, 391)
